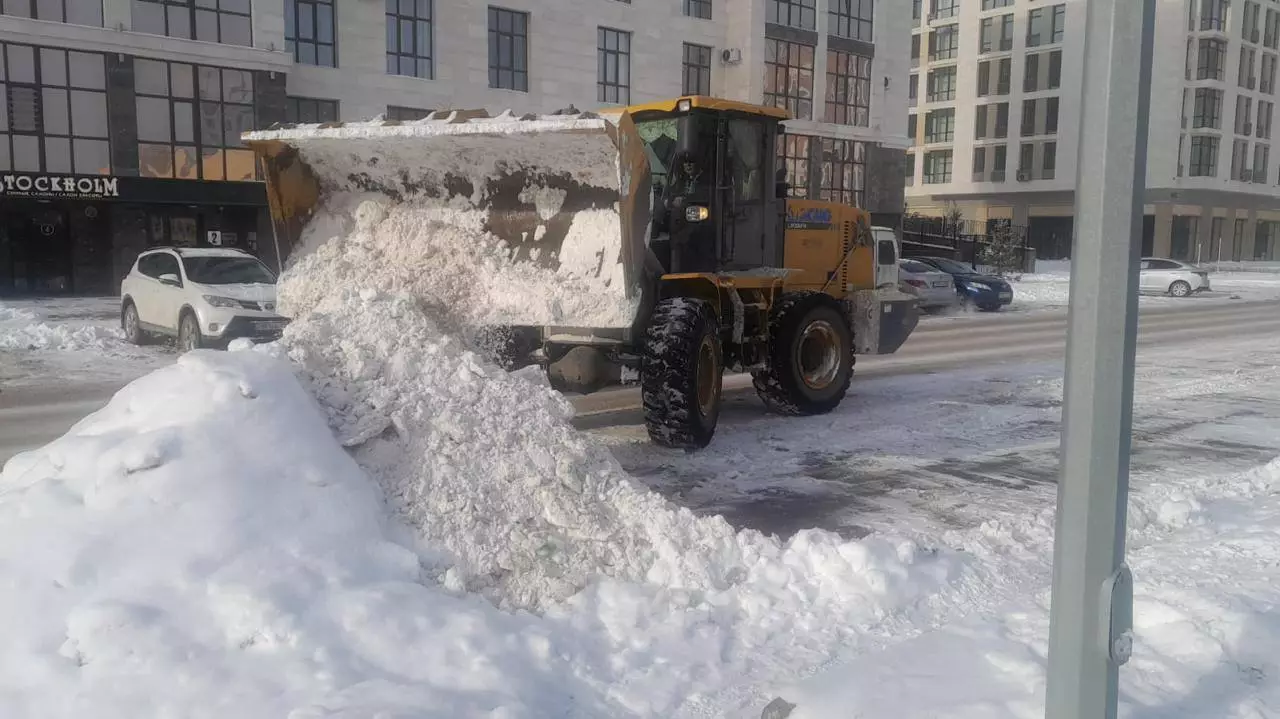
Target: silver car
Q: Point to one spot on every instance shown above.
(1171, 277)
(933, 289)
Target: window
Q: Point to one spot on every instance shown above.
(1261, 155)
(1271, 35)
(1211, 62)
(1204, 156)
(1213, 14)
(508, 49)
(991, 121)
(1207, 110)
(910, 169)
(190, 118)
(76, 12)
(1051, 116)
(940, 125)
(939, 9)
(1049, 160)
(1239, 149)
(944, 43)
(1055, 69)
(613, 77)
(697, 70)
(409, 39)
(309, 32)
(1031, 75)
(984, 78)
(55, 118)
(1249, 26)
(1026, 157)
(1028, 118)
(912, 126)
(406, 114)
(913, 89)
(915, 51)
(998, 163)
(225, 21)
(843, 171)
(980, 122)
(1267, 78)
(997, 33)
(979, 161)
(792, 13)
(1037, 27)
(698, 8)
(1003, 72)
(1002, 119)
(849, 88)
(1004, 76)
(942, 84)
(1244, 115)
(851, 18)
(788, 77)
(310, 110)
(1237, 239)
(793, 155)
(1245, 77)
(993, 4)
(937, 167)
(1262, 129)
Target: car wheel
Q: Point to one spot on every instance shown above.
(189, 333)
(989, 308)
(1180, 288)
(131, 325)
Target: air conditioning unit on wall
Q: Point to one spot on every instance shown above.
(731, 56)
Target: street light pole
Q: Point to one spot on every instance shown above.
(1091, 617)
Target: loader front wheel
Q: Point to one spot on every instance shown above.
(810, 360)
(681, 372)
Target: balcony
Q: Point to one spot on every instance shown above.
(997, 175)
(945, 96)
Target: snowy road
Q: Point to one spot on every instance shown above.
(962, 424)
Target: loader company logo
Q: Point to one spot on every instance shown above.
(809, 218)
(62, 186)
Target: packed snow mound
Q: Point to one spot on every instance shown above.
(22, 329)
(201, 547)
(485, 464)
(441, 254)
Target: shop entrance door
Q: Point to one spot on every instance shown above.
(39, 250)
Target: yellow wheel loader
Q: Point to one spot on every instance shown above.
(675, 211)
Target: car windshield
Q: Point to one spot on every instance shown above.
(916, 267)
(951, 266)
(227, 271)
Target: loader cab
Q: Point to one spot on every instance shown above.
(716, 202)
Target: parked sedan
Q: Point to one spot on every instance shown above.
(1171, 277)
(988, 292)
(933, 288)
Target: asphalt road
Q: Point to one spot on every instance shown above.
(33, 416)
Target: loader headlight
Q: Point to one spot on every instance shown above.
(216, 301)
(696, 213)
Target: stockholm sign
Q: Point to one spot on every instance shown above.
(61, 186)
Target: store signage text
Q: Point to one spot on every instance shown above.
(59, 186)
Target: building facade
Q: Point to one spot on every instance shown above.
(996, 90)
(123, 117)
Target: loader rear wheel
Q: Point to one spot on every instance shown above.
(681, 372)
(810, 360)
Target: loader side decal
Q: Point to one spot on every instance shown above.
(810, 218)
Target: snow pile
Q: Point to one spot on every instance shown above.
(485, 464)
(443, 256)
(202, 548)
(23, 329)
(1203, 551)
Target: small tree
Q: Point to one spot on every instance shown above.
(952, 218)
(1002, 251)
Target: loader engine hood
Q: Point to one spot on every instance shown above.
(557, 201)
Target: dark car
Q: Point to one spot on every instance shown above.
(988, 292)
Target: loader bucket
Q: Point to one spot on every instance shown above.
(566, 193)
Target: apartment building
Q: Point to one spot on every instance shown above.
(123, 117)
(995, 97)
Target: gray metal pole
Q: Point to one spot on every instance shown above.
(1089, 634)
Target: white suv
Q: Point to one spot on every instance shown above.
(201, 296)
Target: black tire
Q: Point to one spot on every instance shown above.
(1180, 288)
(811, 358)
(681, 373)
(989, 308)
(189, 337)
(131, 325)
